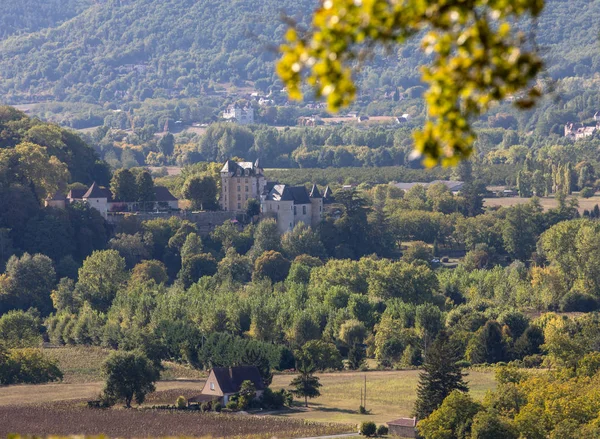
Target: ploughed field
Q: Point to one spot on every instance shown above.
(68, 420)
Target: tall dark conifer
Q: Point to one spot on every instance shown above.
(441, 375)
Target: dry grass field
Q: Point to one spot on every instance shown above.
(546, 202)
(60, 408)
(83, 365)
(390, 395)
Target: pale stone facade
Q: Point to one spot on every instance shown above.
(289, 205)
(240, 182)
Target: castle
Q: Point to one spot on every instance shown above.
(288, 205)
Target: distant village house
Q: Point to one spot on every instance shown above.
(224, 382)
(242, 115)
(101, 199)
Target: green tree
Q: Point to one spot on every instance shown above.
(306, 385)
(491, 426)
(192, 246)
(27, 283)
(144, 188)
(19, 329)
(272, 265)
(487, 345)
(464, 78)
(101, 276)
(150, 270)
(196, 266)
(246, 394)
(452, 419)
(441, 375)
(266, 237)
(133, 248)
(322, 354)
(123, 185)
(166, 144)
(128, 375)
(201, 191)
(302, 240)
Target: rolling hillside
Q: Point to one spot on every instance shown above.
(128, 50)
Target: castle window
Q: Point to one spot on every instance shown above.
(246, 188)
(246, 180)
(278, 207)
(320, 208)
(303, 210)
(239, 188)
(224, 188)
(239, 206)
(295, 210)
(239, 197)
(238, 180)
(246, 196)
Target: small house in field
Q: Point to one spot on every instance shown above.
(403, 427)
(224, 382)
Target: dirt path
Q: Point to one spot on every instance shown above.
(31, 394)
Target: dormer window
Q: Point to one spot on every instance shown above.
(212, 386)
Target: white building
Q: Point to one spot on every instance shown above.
(101, 199)
(291, 205)
(243, 116)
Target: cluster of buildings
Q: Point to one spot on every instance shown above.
(288, 205)
(577, 131)
(454, 186)
(240, 183)
(101, 199)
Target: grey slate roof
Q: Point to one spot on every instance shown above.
(161, 193)
(314, 192)
(282, 192)
(232, 167)
(230, 379)
(76, 194)
(95, 191)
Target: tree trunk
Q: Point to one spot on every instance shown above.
(305, 401)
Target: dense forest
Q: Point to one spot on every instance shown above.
(120, 51)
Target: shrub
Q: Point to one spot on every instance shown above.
(181, 402)
(362, 410)
(587, 192)
(382, 430)
(231, 405)
(368, 429)
(217, 407)
(577, 301)
(205, 407)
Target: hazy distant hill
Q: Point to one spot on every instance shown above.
(25, 16)
(123, 50)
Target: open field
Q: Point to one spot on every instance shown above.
(390, 395)
(83, 365)
(43, 421)
(50, 393)
(546, 202)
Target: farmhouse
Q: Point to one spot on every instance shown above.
(224, 382)
(102, 200)
(403, 427)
